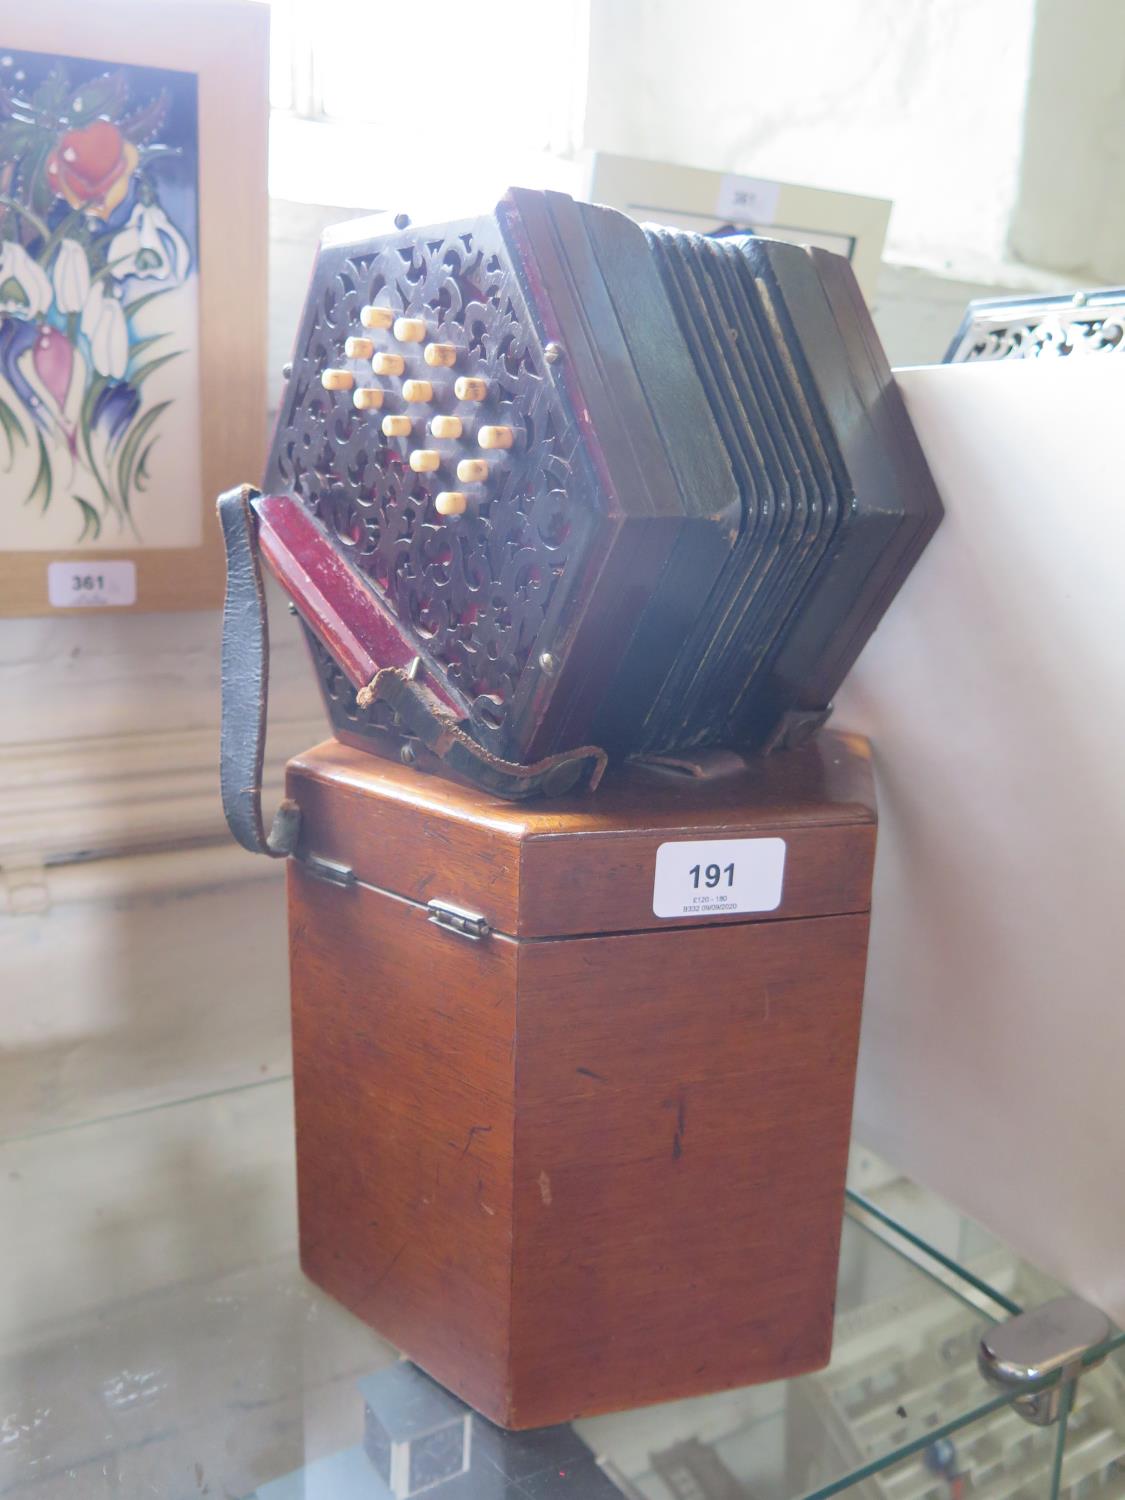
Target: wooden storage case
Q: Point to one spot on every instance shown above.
(577, 1157)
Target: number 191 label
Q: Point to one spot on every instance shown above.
(718, 877)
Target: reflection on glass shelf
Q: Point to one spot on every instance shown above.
(897, 1331)
(999, 1457)
(156, 1334)
(157, 1338)
(1093, 1465)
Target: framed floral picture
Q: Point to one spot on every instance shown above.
(132, 292)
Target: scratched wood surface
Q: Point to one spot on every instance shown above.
(572, 1174)
(402, 1069)
(683, 1109)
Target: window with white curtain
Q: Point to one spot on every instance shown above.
(384, 103)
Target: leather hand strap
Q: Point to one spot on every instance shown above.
(245, 687)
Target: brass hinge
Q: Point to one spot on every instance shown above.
(469, 924)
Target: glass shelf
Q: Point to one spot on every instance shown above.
(157, 1338)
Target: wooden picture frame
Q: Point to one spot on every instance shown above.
(67, 372)
(713, 202)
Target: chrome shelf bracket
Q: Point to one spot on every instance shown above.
(1041, 1352)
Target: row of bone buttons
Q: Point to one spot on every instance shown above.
(419, 392)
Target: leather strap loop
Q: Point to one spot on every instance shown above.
(245, 687)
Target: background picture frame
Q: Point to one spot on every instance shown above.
(711, 202)
(133, 222)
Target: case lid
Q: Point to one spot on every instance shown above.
(788, 835)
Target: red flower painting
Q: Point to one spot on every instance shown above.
(91, 167)
(97, 222)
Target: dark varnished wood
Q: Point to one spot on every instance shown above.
(572, 1174)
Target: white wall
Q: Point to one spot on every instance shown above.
(994, 695)
(1070, 213)
(919, 101)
